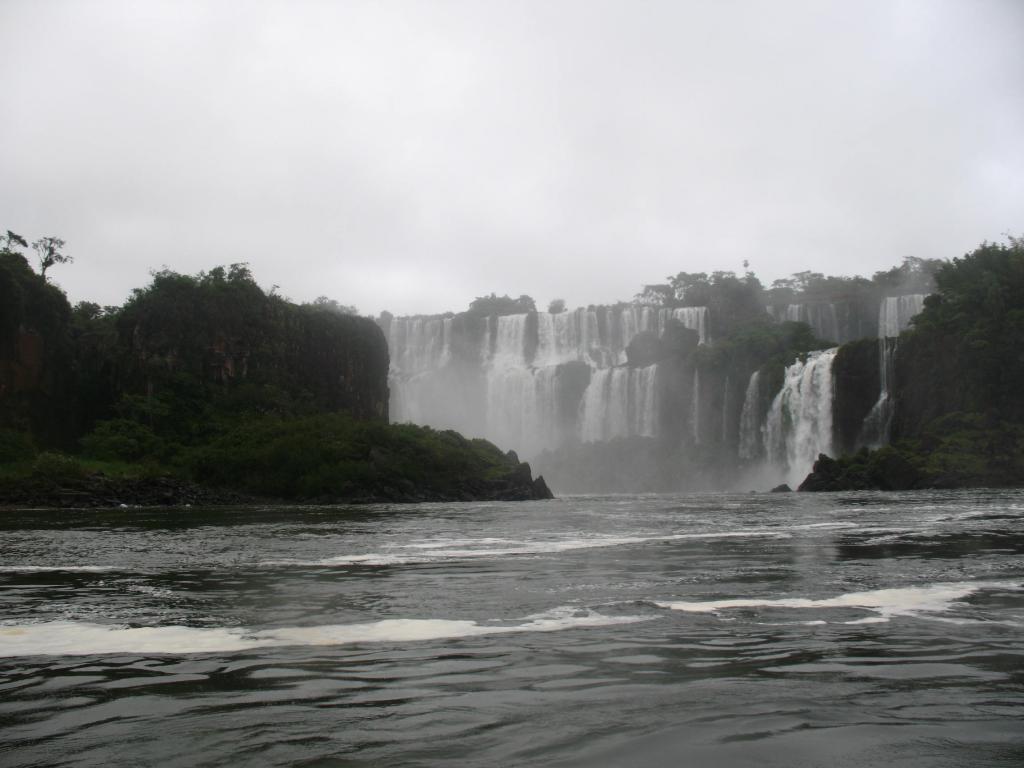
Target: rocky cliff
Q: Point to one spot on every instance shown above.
(36, 360)
(219, 331)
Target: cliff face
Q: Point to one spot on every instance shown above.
(934, 378)
(966, 351)
(178, 345)
(856, 376)
(224, 334)
(36, 386)
(953, 385)
(344, 360)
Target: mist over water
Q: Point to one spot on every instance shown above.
(717, 630)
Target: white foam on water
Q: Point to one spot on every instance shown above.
(918, 602)
(72, 638)
(426, 552)
(814, 526)
(50, 568)
(442, 543)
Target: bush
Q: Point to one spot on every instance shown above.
(122, 440)
(57, 467)
(334, 456)
(15, 446)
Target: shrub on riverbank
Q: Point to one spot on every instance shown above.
(957, 451)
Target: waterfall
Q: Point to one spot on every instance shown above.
(895, 312)
(501, 377)
(750, 420)
(725, 411)
(894, 315)
(799, 422)
(823, 320)
(510, 342)
(417, 345)
(695, 408)
(515, 415)
(620, 402)
(567, 336)
(823, 317)
(877, 426)
(694, 318)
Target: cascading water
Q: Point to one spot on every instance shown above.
(695, 408)
(417, 345)
(750, 439)
(895, 312)
(516, 415)
(524, 398)
(799, 422)
(894, 315)
(694, 318)
(620, 402)
(627, 321)
(567, 336)
(828, 320)
(877, 426)
(726, 406)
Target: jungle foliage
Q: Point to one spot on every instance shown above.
(960, 407)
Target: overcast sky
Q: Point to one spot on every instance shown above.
(410, 156)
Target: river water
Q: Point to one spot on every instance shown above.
(717, 630)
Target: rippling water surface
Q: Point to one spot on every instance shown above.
(778, 630)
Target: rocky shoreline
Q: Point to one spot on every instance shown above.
(98, 490)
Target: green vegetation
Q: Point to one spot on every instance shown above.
(960, 408)
(733, 302)
(969, 339)
(957, 451)
(501, 305)
(322, 458)
(335, 456)
(209, 381)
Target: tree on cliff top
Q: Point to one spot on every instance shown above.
(969, 339)
(914, 275)
(11, 239)
(330, 305)
(502, 305)
(48, 251)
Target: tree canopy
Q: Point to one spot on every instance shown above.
(48, 251)
(502, 305)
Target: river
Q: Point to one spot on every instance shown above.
(717, 630)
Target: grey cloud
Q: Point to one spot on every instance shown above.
(411, 156)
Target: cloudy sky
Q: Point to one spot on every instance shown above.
(410, 156)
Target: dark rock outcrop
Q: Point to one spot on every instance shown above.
(644, 349)
(541, 490)
(887, 469)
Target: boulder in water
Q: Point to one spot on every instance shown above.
(782, 489)
(824, 476)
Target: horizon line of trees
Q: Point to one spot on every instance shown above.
(694, 289)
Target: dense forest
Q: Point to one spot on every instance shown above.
(959, 419)
(210, 380)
